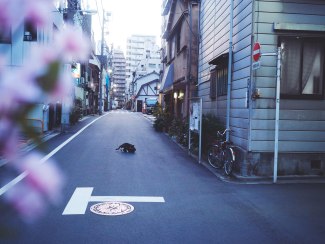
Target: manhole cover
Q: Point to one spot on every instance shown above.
(112, 208)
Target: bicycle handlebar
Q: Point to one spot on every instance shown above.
(224, 132)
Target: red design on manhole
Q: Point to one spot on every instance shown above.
(112, 208)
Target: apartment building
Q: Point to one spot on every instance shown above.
(179, 54)
(142, 56)
(118, 77)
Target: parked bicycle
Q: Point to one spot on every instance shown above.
(221, 154)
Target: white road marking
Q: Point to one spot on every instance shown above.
(82, 196)
(126, 199)
(79, 201)
(20, 177)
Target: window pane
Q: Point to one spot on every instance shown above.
(291, 63)
(222, 80)
(313, 56)
(225, 80)
(30, 32)
(213, 85)
(219, 82)
(172, 48)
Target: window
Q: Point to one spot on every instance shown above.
(219, 76)
(178, 40)
(302, 71)
(30, 32)
(172, 48)
(222, 80)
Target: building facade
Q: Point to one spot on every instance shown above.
(16, 46)
(142, 55)
(118, 77)
(179, 54)
(145, 87)
(298, 29)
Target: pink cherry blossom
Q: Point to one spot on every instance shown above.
(19, 87)
(29, 203)
(72, 44)
(35, 11)
(38, 11)
(16, 88)
(44, 177)
(63, 87)
(9, 138)
(8, 13)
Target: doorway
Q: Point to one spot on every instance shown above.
(139, 105)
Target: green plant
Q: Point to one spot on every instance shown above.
(210, 126)
(179, 130)
(163, 119)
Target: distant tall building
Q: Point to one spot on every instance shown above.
(142, 56)
(118, 76)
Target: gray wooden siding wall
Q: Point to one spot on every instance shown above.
(302, 122)
(214, 31)
(18, 51)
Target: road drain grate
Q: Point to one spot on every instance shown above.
(112, 208)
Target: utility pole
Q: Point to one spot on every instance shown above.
(100, 110)
(101, 68)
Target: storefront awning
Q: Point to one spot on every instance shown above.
(220, 60)
(168, 78)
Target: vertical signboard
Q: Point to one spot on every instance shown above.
(195, 123)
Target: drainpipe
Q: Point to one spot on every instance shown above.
(229, 67)
(189, 60)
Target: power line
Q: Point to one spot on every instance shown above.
(102, 5)
(100, 22)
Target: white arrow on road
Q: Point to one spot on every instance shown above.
(82, 196)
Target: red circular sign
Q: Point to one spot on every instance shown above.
(256, 51)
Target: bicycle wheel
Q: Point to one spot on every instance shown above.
(214, 157)
(229, 162)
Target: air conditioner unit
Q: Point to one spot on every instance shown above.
(28, 36)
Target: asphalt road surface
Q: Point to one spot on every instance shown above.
(175, 199)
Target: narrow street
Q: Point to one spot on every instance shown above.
(175, 199)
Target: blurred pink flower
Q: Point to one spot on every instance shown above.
(8, 13)
(9, 138)
(44, 177)
(19, 87)
(28, 203)
(38, 60)
(16, 88)
(43, 183)
(38, 11)
(63, 87)
(72, 44)
(15, 12)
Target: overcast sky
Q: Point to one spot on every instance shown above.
(128, 17)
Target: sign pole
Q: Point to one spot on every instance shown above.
(277, 112)
(256, 56)
(200, 136)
